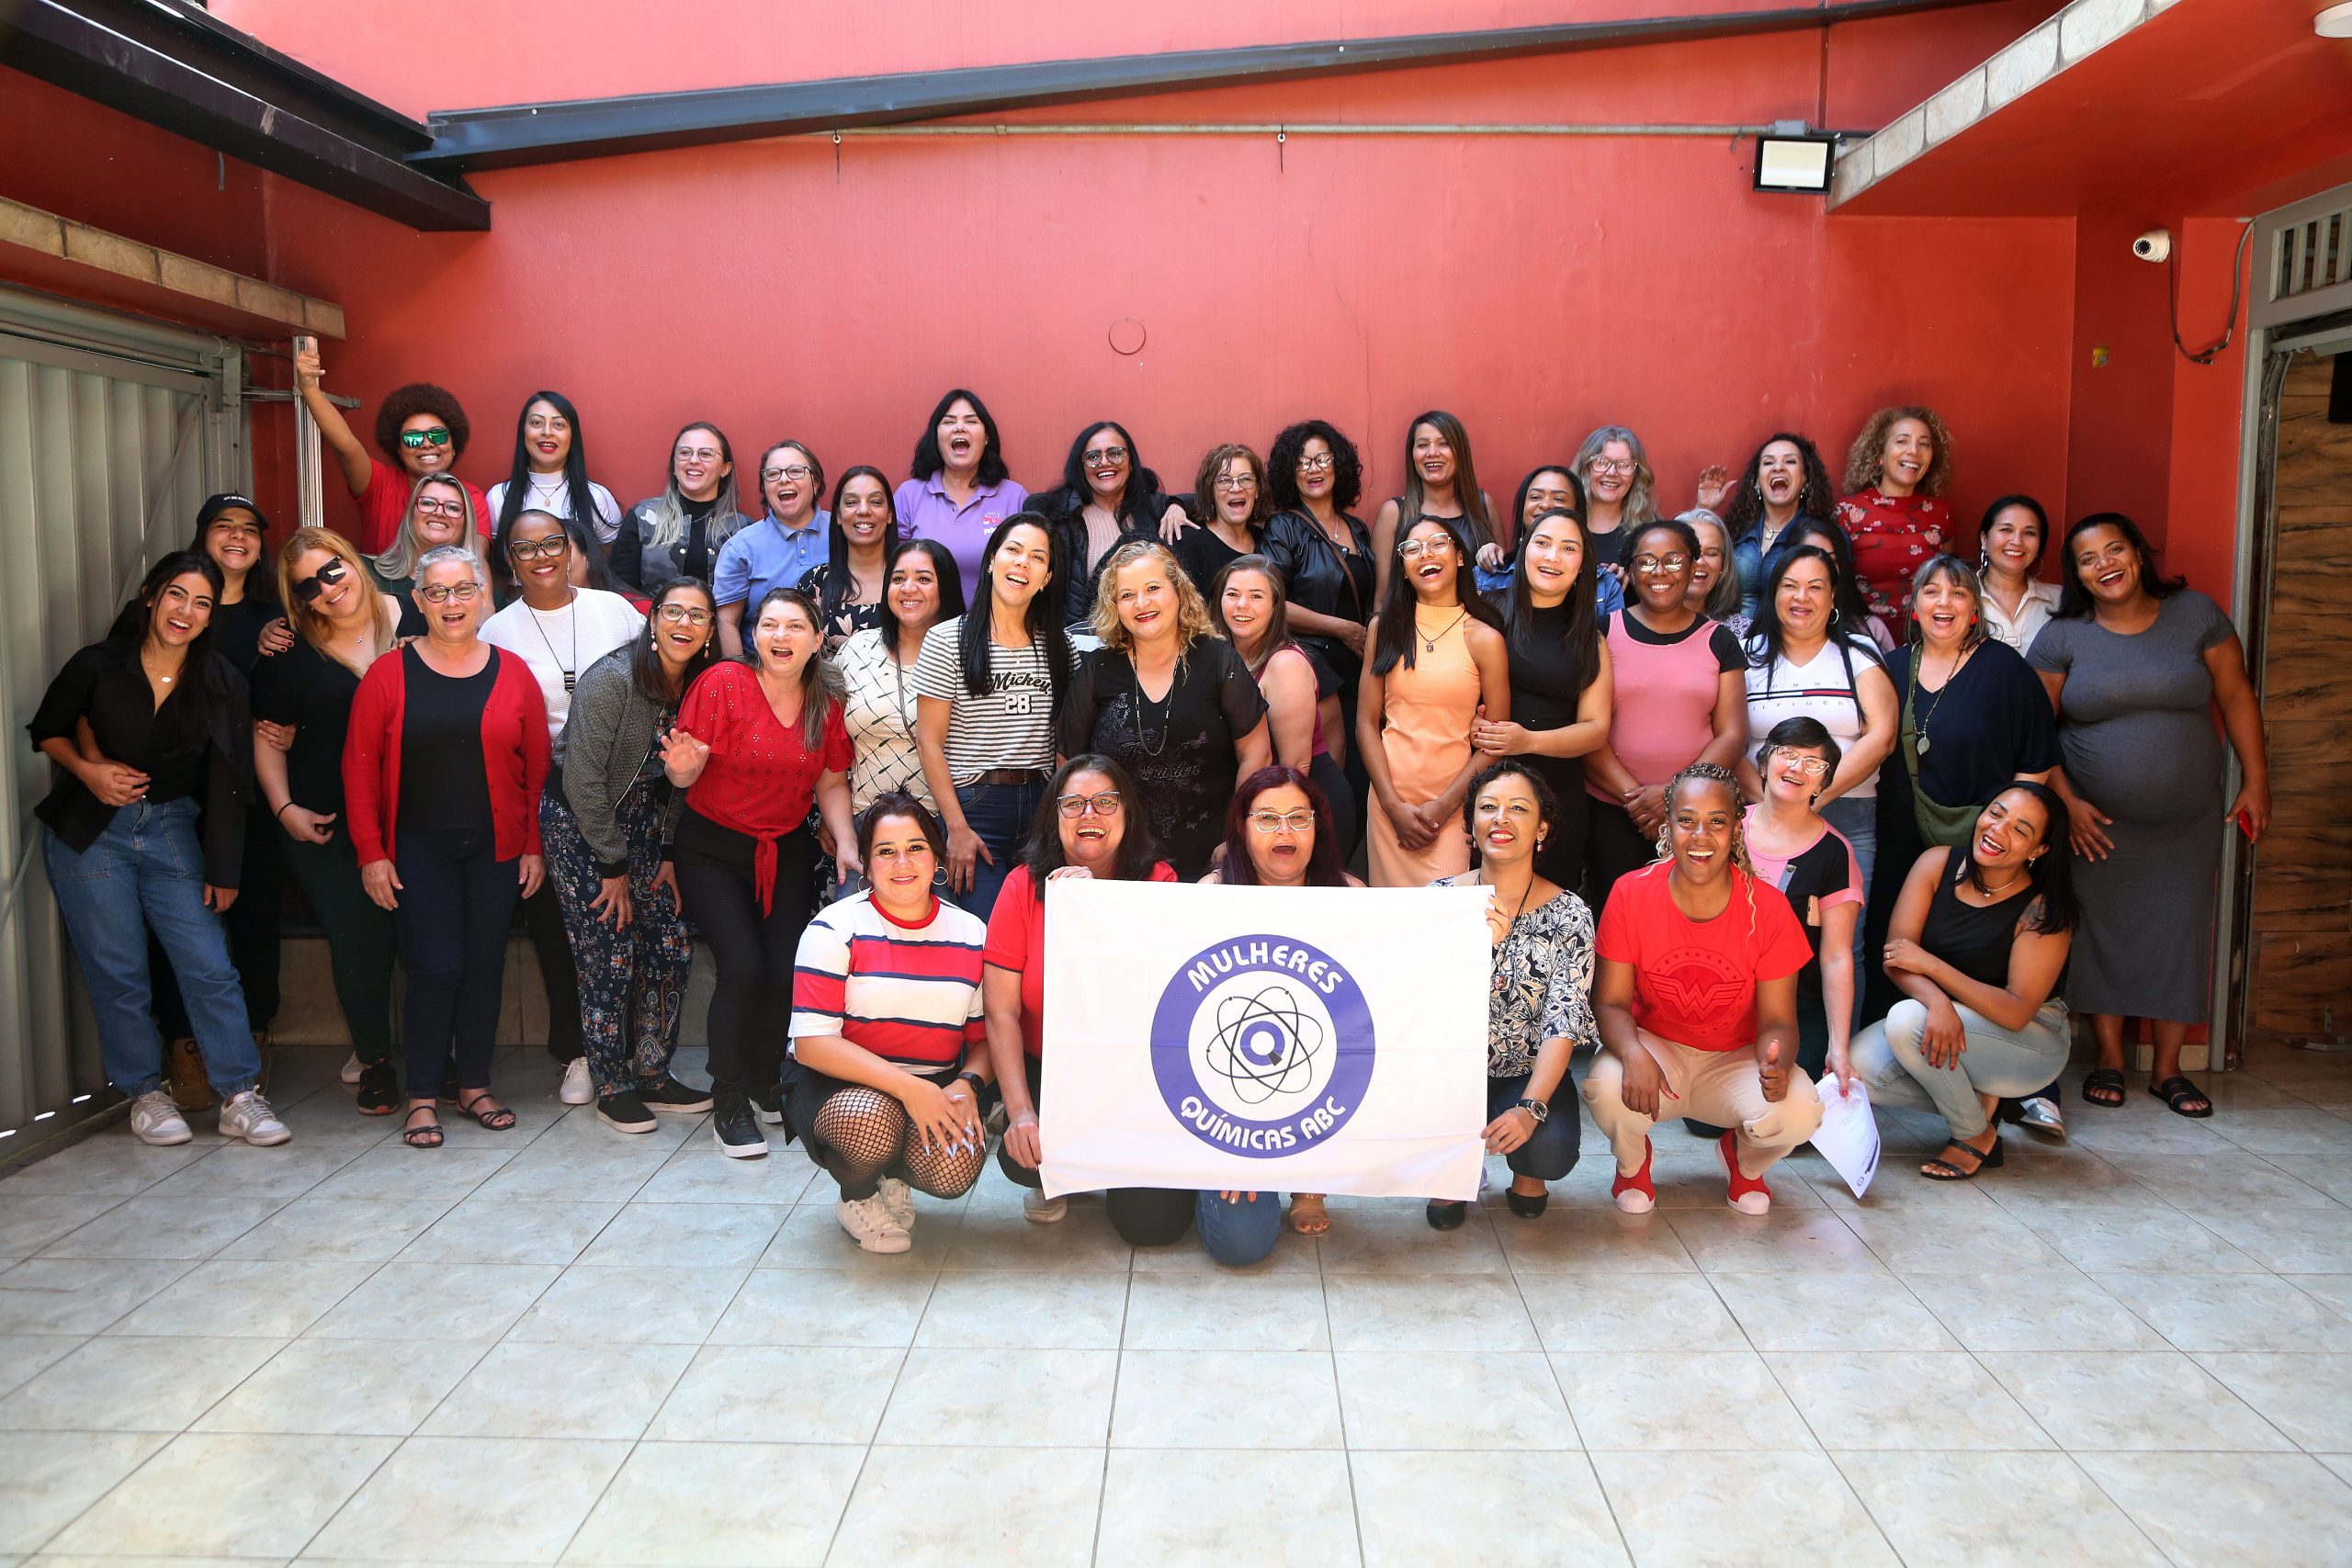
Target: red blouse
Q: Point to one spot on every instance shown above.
(761, 775)
(1892, 535)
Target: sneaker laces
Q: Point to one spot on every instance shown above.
(254, 1108)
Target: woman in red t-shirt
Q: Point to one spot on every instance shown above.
(1697, 1001)
(755, 741)
(1088, 825)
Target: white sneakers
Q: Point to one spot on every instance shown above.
(870, 1223)
(157, 1121)
(900, 1199)
(1040, 1210)
(578, 1087)
(249, 1116)
(351, 1069)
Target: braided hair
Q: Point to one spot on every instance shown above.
(1717, 774)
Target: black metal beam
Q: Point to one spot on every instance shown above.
(594, 128)
(167, 63)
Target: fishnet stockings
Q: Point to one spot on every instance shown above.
(870, 1136)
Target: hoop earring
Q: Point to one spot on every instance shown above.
(939, 878)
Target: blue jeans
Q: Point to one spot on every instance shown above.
(1858, 820)
(1001, 814)
(1241, 1232)
(1552, 1153)
(146, 872)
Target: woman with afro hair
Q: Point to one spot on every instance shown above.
(420, 427)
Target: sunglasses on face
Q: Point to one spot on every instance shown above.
(319, 581)
(553, 548)
(412, 439)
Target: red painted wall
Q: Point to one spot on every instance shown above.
(1536, 286)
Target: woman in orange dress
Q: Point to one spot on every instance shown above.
(1437, 657)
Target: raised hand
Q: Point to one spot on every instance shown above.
(684, 757)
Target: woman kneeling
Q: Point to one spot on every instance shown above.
(1977, 944)
(886, 1004)
(1697, 1001)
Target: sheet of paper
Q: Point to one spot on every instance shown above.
(1847, 1136)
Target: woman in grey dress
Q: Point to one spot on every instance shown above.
(2133, 664)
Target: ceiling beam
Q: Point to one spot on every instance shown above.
(520, 134)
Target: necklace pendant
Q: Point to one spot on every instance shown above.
(1923, 746)
(569, 680)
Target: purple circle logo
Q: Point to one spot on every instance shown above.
(1262, 1046)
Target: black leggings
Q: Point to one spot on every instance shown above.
(1144, 1216)
(861, 1134)
(457, 900)
(751, 1008)
(543, 918)
(1613, 847)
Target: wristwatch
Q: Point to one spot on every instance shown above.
(967, 1075)
(1537, 1108)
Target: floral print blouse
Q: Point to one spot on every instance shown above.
(1543, 983)
(1892, 535)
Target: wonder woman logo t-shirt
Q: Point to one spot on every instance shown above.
(1695, 981)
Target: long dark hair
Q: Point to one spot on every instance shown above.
(1815, 497)
(943, 565)
(646, 672)
(1580, 636)
(2075, 600)
(514, 501)
(261, 582)
(1137, 854)
(1766, 635)
(1398, 631)
(838, 582)
(1477, 525)
(1282, 466)
(1519, 519)
(193, 712)
(1844, 583)
(1323, 867)
(820, 685)
(1139, 506)
(1043, 618)
(928, 460)
(2051, 873)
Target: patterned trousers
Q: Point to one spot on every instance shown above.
(633, 981)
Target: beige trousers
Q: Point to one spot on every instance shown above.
(1719, 1086)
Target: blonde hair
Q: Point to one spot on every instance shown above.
(1641, 496)
(398, 563)
(1867, 460)
(1722, 599)
(305, 618)
(1193, 623)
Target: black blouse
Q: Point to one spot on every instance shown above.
(844, 620)
(103, 684)
(1317, 577)
(237, 628)
(445, 780)
(307, 689)
(1182, 750)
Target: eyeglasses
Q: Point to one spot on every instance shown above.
(412, 439)
(553, 548)
(1412, 547)
(1651, 566)
(442, 508)
(1105, 454)
(1075, 805)
(442, 592)
(687, 614)
(319, 581)
(1282, 821)
(1811, 767)
(697, 455)
(1236, 481)
(1317, 464)
(799, 472)
(1611, 466)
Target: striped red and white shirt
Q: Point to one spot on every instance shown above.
(911, 994)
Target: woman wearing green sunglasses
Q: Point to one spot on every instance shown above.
(420, 427)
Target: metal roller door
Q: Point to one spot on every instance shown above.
(113, 432)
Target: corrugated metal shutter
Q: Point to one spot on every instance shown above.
(113, 432)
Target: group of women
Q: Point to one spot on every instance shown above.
(1847, 804)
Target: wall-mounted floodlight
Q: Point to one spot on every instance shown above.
(1792, 158)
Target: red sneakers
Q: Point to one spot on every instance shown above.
(1634, 1193)
(1748, 1194)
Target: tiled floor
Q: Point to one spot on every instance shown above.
(562, 1344)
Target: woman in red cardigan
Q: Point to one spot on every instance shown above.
(441, 775)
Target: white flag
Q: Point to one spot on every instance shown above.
(1265, 1039)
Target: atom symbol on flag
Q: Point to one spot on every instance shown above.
(1264, 1045)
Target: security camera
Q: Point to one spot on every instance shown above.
(2155, 245)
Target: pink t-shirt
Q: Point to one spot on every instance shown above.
(1662, 705)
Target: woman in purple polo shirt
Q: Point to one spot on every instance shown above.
(960, 490)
